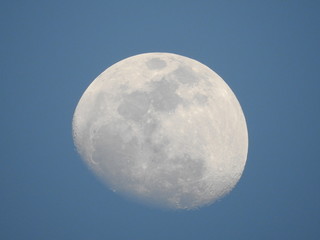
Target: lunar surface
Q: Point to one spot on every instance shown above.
(162, 129)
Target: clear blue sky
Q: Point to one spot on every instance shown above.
(267, 51)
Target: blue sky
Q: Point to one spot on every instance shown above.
(267, 51)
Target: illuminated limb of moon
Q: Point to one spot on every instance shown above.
(163, 129)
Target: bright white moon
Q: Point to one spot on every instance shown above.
(163, 129)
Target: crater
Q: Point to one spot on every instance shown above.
(134, 106)
(156, 63)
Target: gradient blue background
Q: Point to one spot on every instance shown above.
(267, 51)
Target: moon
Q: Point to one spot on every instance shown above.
(162, 129)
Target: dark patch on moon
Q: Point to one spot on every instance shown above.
(150, 126)
(188, 169)
(200, 98)
(134, 106)
(114, 156)
(156, 63)
(164, 97)
(185, 75)
(173, 172)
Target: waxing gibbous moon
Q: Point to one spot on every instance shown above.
(163, 129)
